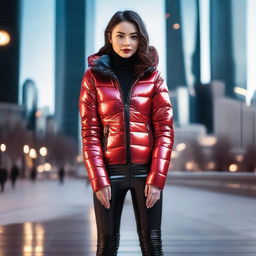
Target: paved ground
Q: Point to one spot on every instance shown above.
(47, 219)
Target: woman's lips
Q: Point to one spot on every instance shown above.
(126, 50)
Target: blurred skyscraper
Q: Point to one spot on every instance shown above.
(9, 50)
(178, 69)
(43, 125)
(175, 58)
(183, 59)
(206, 42)
(204, 106)
(29, 101)
(239, 42)
(222, 59)
(69, 63)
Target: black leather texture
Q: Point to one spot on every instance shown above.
(124, 178)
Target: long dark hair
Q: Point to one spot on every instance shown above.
(145, 58)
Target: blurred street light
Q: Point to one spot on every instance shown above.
(3, 147)
(25, 160)
(210, 165)
(239, 158)
(189, 165)
(181, 146)
(176, 26)
(43, 151)
(79, 158)
(174, 154)
(26, 149)
(207, 141)
(47, 167)
(40, 168)
(233, 168)
(4, 38)
(32, 153)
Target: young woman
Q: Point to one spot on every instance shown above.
(127, 133)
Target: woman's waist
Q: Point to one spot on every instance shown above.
(123, 169)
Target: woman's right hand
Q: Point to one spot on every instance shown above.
(104, 195)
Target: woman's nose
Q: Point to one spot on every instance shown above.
(127, 41)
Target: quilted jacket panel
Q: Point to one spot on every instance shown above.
(116, 132)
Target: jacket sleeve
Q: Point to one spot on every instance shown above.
(162, 118)
(91, 131)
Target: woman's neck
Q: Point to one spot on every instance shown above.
(120, 63)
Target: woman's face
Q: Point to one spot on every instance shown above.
(124, 36)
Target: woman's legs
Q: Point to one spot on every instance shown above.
(108, 220)
(123, 178)
(148, 220)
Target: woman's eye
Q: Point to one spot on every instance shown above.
(132, 37)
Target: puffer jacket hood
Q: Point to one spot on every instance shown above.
(103, 62)
(135, 131)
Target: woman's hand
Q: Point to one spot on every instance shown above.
(104, 195)
(153, 194)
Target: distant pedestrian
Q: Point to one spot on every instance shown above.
(33, 174)
(14, 175)
(61, 173)
(3, 177)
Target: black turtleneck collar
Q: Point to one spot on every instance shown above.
(120, 63)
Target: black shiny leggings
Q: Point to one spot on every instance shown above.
(123, 178)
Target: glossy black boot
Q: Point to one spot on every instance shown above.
(151, 242)
(107, 244)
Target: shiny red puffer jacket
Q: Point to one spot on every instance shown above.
(139, 131)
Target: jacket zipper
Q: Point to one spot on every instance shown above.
(150, 135)
(127, 111)
(105, 137)
(127, 114)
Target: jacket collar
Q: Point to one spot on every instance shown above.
(102, 63)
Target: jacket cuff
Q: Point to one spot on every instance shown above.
(99, 183)
(156, 179)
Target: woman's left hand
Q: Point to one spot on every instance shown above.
(153, 194)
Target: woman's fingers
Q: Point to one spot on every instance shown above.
(146, 190)
(103, 195)
(106, 201)
(152, 200)
(149, 196)
(149, 200)
(103, 200)
(98, 194)
(109, 193)
(152, 196)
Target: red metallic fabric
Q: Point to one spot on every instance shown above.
(103, 124)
